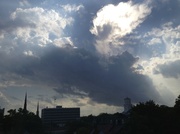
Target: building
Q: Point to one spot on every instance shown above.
(56, 118)
(1, 118)
(127, 105)
(1, 113)
(25, 110)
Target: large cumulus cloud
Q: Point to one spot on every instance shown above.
(41, 26)
(115, 21)
(83, 74)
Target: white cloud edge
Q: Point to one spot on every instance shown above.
(108, 26)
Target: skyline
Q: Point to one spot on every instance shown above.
(89, 54)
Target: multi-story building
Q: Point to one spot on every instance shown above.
(59, 116)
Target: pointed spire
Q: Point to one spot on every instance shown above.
(25, 102)
(37, 112)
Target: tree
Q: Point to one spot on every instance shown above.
(12, 112)
(150, 118)
(177, 103)
(20, 122)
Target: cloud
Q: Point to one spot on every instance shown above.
(114, 22)
(34, 27)
(168, 38)
(155, 41)
(102, 80)
(40, 24)
(28, 53)
(163, 65)
(169, 69)
(63, 42)
(4, 101)
(72, 8)
(24, 3)
(29, 29)
(78, 72)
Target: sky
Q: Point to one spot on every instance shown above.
(89, 54)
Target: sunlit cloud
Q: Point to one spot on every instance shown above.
(163, 68)
(72, 8)
(114, 22)
(63, 42)
(24, 3)
(168, 36)
(39, 26)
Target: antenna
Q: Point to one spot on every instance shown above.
(37, 112)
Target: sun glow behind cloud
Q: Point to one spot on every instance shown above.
(37, 41)
(114, 22)
(163, 66)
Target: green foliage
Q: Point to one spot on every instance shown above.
(19, 122)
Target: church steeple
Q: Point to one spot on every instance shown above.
(25, 102)
(37, 112)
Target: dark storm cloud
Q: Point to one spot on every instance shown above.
(80, 73)
(169, 70)
(103, 80)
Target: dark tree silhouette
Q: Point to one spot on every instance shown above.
(177, 103)
(150, 118)
(20, 122)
